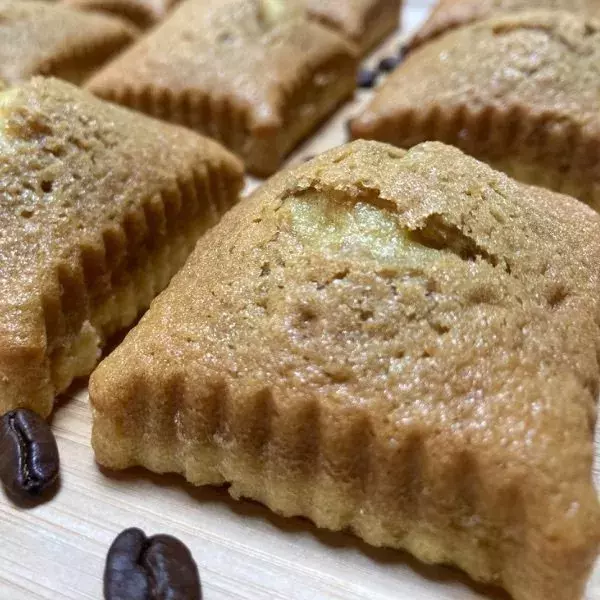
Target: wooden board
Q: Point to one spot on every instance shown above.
(57, 550)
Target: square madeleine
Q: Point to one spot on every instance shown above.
(401, 344)
(449, 14)
(99, 207)
(257, 75)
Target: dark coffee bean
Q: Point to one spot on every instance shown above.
(28, 454)
(366, 78)
(155, 568)
(389, 63)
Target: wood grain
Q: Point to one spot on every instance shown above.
(57, 550)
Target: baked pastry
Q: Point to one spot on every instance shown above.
(449, 14)
(255, 74)
(518, 91)
(100, 206)
(38, 38)
(401, 344)
(364, 22)
(143, 13)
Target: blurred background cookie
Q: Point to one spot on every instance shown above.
(42, 38)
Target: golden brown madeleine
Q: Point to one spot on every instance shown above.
(520, 92)
(449, 14)
(38, 38)
(143, 13)
(404, 344)
(255, 74)
(99, 207)
(364, 22)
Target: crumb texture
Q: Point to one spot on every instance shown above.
(401, 343)
(520, 92)
(99, 208)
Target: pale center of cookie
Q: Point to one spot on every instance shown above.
(6, 99)
(271, 11)
(340, 227)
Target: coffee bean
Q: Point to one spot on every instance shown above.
(389, 63)
(28, 454)
(366, 78)
(155, 568)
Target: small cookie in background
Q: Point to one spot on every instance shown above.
(39, 38)
(517, 91)
(257, 75)
(365, 23)
(450, 14)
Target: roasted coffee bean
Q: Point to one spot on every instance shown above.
(28, 454)
(389, 63)
(366, 78)
(155, 568)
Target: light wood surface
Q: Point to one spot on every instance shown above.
(57, 550)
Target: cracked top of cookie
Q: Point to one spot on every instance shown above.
(423, 287)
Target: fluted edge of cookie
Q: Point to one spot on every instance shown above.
(284, 458)
(107, 286)
(262, 142)
(77, 63)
